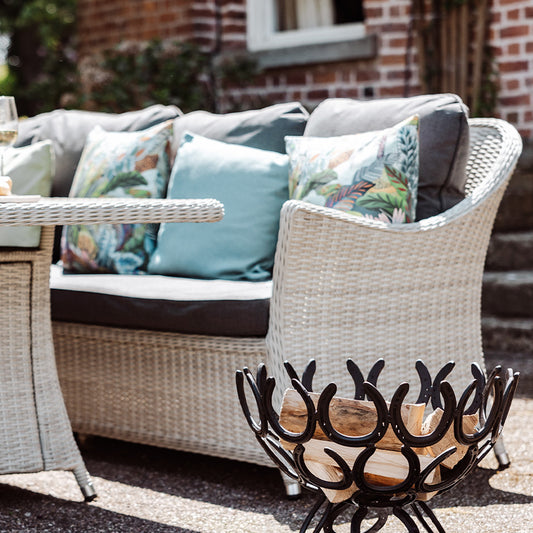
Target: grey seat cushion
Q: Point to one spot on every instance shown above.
(162, 303)
(68, 130)
(444, 139)
(258, 128)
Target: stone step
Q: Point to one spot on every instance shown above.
(510, 251)
(516, 209)
(508, 294)
(507, 335)
(520, 362)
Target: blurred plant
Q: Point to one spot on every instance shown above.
(135, 75)
(41, 56)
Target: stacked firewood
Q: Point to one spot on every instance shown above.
(387, 466)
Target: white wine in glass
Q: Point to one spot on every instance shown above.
(8, 126)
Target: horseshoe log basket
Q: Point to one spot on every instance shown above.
(487, 396)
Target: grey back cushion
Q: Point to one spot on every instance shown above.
(259, 128)
(68, 130)
(444, 139)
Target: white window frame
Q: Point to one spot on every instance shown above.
(261, 34)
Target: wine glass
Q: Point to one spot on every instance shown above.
(8, 126)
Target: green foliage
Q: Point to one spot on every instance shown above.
(125, 180)
(43, 66)
(7, 82)
(135, 76)
(41, 56)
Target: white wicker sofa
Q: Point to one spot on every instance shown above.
(176, 389)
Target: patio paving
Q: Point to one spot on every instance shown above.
(146, 489)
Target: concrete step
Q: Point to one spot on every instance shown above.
(507, 335)
(508, 294)
(516, 209)
(510, 251)
(520, 362)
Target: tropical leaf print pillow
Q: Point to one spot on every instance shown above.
(372, 174)
(117, 164)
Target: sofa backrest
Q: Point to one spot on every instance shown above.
(68, 130)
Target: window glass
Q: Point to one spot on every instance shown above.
(303, 14)
(282, 24)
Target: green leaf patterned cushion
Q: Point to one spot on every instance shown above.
(117, 164)
(373, 174)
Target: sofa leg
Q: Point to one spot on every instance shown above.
(85, 483)
(293, 490)
(501, 454)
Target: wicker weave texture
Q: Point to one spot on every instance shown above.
(65, 211)
(342, 288)
(36, 433)
(163, 389)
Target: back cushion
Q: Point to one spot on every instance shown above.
(31, 168)
(259, 128)
(444, 139)
(68, 130)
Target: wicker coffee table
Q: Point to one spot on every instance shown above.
(35, 432)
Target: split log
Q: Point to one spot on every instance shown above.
(349, 417)
(385, 468)
(469, 424)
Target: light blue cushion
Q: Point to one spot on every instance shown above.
(252, 184)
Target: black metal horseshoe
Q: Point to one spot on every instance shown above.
(273, 417)
(346, 440)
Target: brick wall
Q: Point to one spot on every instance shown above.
(512, 39)
(393, 72)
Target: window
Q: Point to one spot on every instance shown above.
(277, 24)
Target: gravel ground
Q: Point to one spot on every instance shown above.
(146, 489)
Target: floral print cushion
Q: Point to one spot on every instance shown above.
(117, 164)
(372, 175)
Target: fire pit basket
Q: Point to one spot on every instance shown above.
(350, 472)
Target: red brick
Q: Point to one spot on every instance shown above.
(347, 92)
(203, 27)
(296, 77)
(514, 14)
(513, 49)
(391, 91)
(512, 101)
(367, 75)
(325, 77)
(234, 28)
(513, 66)
(393, 59)
(373, 13)
(394, 27)
(511, 117)
(318, 94)
(529, 12)
(396, 75)
(399, 42)
(514, 31)
(512, 85)
(529, 47)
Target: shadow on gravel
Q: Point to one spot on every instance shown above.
(29, 512)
